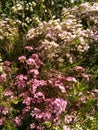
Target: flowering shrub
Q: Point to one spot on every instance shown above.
(45, 88)
(33, 97)
(28, 90)
(86, 13)
(60, 41)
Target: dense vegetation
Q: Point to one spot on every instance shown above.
(48, 65)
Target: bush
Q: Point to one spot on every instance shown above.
(34, 97)
(61, 42)
(45, 87)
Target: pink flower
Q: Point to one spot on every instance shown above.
(7, 63)
(29, 48)
(35, 71)
(18, 120)
(5, 112)
(25, 110)
(36, 83)
(85, 76)
(62, 88)
(42, 82)
(40, 128)
(32, 126)
(61, 103)
(37, 60)
(51, 81)
(35, 56)
(66, 127)
(95, 90)
(79, 68)
(20, 81)
(39, 96)
(83, 99)
(2, 77)
(21, 77)
(30, 61)
(6, 68)
(96, 34)
(71, 79)
(47, 116)
(8, 93)
(58, 106)
(22, 58)
(27, 101)
(37, 113)
(68, 119)
(68, 86)
(1, 122)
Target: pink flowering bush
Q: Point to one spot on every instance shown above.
(27, 95)
(34, 97)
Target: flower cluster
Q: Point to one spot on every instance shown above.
(67, 39)
(41, 95)
(32, 92)
(86, 13)
(24, 11)
(60, 41)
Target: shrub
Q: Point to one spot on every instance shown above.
(45, 88)
(33, 97)
(61, 42)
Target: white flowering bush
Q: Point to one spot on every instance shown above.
(67, 39)
(32, 12)
(60, 41)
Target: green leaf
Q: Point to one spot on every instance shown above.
(17, 100)
(11, 128)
